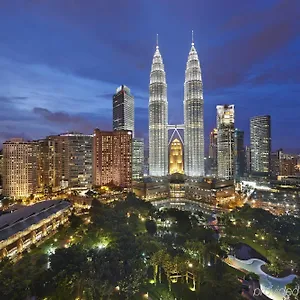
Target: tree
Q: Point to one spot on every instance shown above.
(156, 261)
(75, 221)
(151, 226)
(6, 202)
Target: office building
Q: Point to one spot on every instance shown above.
(225, 141)
(137, 158)
(260, 138)
(212, 159)
(193, 117)
(1, 168)
(158, 118)
(123, 109)
(239, 154)
(112, 158)
(248, 160)
(19, 168)
(275, 162)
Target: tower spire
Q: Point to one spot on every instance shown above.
(192, 37)
(157, 41)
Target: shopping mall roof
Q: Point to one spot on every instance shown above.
(23, 218)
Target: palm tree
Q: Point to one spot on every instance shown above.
(157, 261)
(196, 250)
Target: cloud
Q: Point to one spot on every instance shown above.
(234, 60)
(63, 118)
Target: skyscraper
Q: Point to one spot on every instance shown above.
(260, 138)
(158, 118)
(112, 158)
(193, 117)
(212, 159)
(248, 160)
(123, 109)
(239, 154)
(19, 168)
(225, 140)
(137, 158)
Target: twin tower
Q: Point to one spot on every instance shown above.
(193, 118)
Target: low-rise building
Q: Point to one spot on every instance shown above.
(151, 188)
(210, 191)
(29, 225)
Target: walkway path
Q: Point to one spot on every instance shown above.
(271, 286)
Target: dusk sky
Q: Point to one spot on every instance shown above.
(61, 61)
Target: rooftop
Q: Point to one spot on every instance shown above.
(23, 218)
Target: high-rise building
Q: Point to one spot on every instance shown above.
(1, 168)
(212, 159)
(137, 158)
(19, 168)
(112, 158)
(239, 154)
(65, 161)
(176, 157)
(275, 163)
(213, 149)
(248, 160)
(158, 118)
(260, 138)
(193, 117)
(225, 141)
(123, 109)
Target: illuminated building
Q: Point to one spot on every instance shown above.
(213, 149)
(283, 164)
(193, 117)
(123, 109)
(274, 163)
(239, 154)
(19, 168)
(288, 165)
(65, 161)
(212, 159)
(1, 168)
(248, 160)
(210, 191)
(137, 158)
(158, 118)
(225, 126)
(176, 157)
(31, 224)
(260, 138)
(112, 158)
(151, 189)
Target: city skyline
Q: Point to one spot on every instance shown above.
(53, 85)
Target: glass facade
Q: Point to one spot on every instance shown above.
(225, 140)
(158, 118)
(193, 117)
(123, 109)
(260, 138)
(137, 158)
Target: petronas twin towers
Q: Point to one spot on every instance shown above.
(193, 118)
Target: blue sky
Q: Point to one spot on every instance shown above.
(61, 61)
